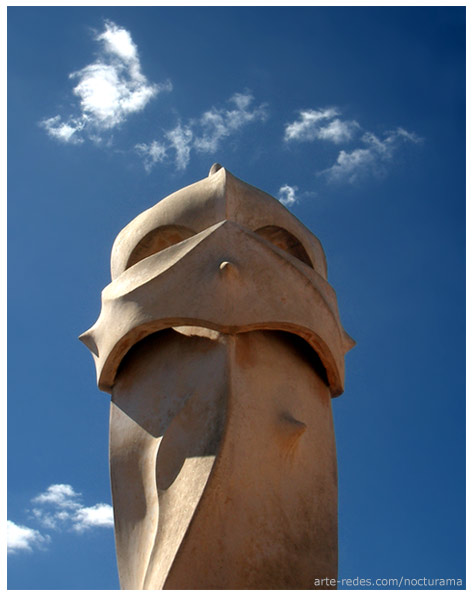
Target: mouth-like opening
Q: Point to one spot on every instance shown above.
(299, 346)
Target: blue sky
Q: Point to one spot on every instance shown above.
(355, 119)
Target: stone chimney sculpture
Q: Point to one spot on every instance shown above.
(220, 342)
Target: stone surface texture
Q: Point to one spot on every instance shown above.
(220, 341)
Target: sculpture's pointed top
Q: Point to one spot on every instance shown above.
(214, 168)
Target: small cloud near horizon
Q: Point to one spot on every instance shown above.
(21, 538)
(109, 90)
(59, 508)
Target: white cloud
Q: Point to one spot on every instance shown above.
(407, 135)
(152, 153)
(64, 132)
(320, 124)
(287, 194)
(180, 139)
(100, 515)
(23, 538)
(109, 90)
(338, 131)
(60, 494)
(371, 159)
(61, 507)
(216, 124)
(306, 126)
(45, 518)
(203, 134)
(214, 130)
(351, 165)
(118, 41)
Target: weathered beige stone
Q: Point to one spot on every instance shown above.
(220, 341)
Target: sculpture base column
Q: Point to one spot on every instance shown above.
(223, 463)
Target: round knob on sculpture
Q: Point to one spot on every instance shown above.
(228, 268)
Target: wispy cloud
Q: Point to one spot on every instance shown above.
(287, 194)
(338, 131)
(59, 508)
(371, 156)
(21, 538)
(371, 159)
(108, 90)
(64, 132)
(320, 124)
(218, 123)
(180, 139)
(203, 134)
(152, 153)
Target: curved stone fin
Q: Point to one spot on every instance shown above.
(165, 428)
(349, 342)
(88, 339)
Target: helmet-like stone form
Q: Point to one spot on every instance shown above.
(223, 255)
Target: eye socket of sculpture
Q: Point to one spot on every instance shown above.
(286, 241)
(157, 240)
